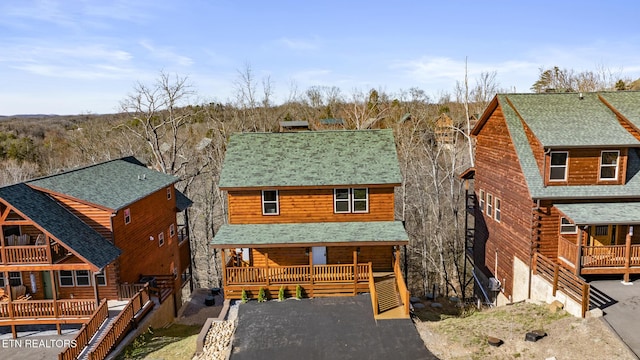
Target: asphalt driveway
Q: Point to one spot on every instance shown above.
(623, 311)
(323, 328)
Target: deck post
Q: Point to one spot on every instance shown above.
(578, 261)
(266, 261)
(96, 293)
(355, 271)
(48, 249)
(54, 293)
(627, 254)
(311, 271)
(224, 266)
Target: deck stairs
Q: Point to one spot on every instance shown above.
(388, 296)
(114, 309)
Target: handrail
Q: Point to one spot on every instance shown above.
(26, 254)
(562, 279)
(372, 290)
(87, 331)
(295, 274)
(66, 308)
(402, 287)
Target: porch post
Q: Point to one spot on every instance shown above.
(223, 257)
(96, 294)
(266, 259)
(54, 293)
(627, 254)
(355, 271)
(311, 270)
(578, 252)
(9, 304)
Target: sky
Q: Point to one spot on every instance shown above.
(82, 56)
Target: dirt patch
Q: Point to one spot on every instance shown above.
(452, 333)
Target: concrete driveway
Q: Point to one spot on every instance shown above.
(323, 328)
(623, 311)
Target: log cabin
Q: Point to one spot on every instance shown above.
(71, 239)
(557, 178)
(313, 210)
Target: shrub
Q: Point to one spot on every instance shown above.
(244, 296)
(281, 293)
(298, 291)
(262, 296)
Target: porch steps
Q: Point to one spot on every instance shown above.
(388, 297)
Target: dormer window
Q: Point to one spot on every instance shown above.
(558, 166)
(609, 165)
(270, 202)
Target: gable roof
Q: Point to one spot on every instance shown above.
(61, 224)
(556, 126)
(311, 234)
(112, 185)
(312, 158)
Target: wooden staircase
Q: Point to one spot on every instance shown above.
(388, 297)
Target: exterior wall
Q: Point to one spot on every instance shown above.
(380, 256)
(584, 168)
(498, 173)
(549, 230)
(306, 205)
(140, 255)
(287, 256)
(98, 219)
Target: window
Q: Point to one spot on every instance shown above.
(161, 239)
(567, 227)
(15, 278)
(351, 200)
(482, 197)
(66, 277)
(360, 200)
(609, 165)
(168, 193)
(270, 202)
(127, 216)
(558, 166)
(172, 230)
(101, 278)
(489, 205)
(83, 278)
(497, 210)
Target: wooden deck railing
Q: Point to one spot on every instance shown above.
(372, 291)
(603, 256)
(120, 327)
(635, 255)
(563, 280)
(56, 309)
(127, 291)
(27, 254)
(297, 274)
(567, 250)
(402, 286)
(87, 331)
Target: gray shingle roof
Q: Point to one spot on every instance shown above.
(626, 213)
(60, 223)
(330, 233)
(311, 158)
(531, 108)
(112, 184)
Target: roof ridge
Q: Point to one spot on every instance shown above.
(129, 159)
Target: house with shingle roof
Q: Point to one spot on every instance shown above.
(313, 210)
(557, 177)
(82, 235)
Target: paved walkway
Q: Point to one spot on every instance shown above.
(624, 314)
(323, 328)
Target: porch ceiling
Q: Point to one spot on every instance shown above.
(627, 213)
(309, 234)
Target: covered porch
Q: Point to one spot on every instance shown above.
(604, 240)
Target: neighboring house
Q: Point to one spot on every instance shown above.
(73, 238)
(297, 125)
(557, 178)
(330, 124)
(314, 209)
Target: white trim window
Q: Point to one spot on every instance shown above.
(70, 278)
(354, 200)
(497, 215)
(127, 216)
(341, 201)
(160, 239)
(482, 200)
(609, 164)
(270, 202)
(101, 278)
(567, 227)
(558, 165)
(168, 193)
(172, 230)
(489, 205)
(15, 278)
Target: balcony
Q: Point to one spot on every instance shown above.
(26, 250)
(605, 259)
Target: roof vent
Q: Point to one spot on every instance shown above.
(581, 96)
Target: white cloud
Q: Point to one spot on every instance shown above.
(299, 44)
(165, 53)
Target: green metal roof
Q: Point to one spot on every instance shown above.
(330, 233)
(113, 184)
(311, 158)
(566, 120)
(527, 160)
(627, 213)
(61, 223)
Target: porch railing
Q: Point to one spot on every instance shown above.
(567, 250)
(26, 254)
(87, 331)
(603, 256)
(30, 309)
(402, 286)
(562, 279)
(297, 274)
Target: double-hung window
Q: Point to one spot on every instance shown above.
(482, 200)
(567, 227)
(609, 164)
(270, 202)
(355, 200)
(70, 278)
(15, 278)
(558, 165)
(489, 205)
(498, 212)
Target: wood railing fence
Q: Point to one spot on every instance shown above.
(87, 331)
(402, 286)
(563, 280)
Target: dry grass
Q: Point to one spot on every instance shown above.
(176, 342)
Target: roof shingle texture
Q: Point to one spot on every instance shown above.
(311, 158)
(61, 223)
(113, 184)
(626, 213)
(256, 235)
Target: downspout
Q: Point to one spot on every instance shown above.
(531, 246)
